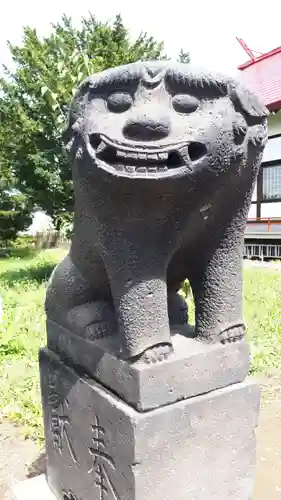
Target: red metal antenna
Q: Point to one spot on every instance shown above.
(246, 48)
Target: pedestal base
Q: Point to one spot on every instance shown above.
(100, 448)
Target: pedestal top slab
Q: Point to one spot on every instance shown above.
(194, 368)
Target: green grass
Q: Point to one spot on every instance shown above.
(23, 277)
(262, 315)
(262, 310)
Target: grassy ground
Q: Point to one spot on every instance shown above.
(262, 310)
(22, 331)
(22, 287)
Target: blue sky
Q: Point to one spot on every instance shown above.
(206, 28)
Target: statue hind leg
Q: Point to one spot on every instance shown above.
(79, 304)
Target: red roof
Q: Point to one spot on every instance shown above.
(263, 76)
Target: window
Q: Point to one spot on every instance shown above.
(272, 149)
(271, 182)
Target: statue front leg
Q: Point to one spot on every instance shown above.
(218, 293)
(139, 290)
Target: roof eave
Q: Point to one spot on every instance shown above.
(259, 58)
(274, 106)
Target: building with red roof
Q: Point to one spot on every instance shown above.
(262, 74)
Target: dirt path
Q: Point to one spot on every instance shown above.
(268, 478)
(18, 454)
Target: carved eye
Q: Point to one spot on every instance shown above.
(119, 102)
(184, 103)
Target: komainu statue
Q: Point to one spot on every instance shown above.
(165, 159)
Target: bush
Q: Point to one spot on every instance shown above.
(14, 216)
(23, 241)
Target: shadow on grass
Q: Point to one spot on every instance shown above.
(37, 273)
(18, 253)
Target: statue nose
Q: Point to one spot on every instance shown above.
(147, 129)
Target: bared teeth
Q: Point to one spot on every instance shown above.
(132, 155)
(136, 163)
(163, 156)
(142, 156)
(130, 168)
(151, 170)
(102, 146)
(121, 154)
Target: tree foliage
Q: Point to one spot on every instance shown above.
(14, 216)
(184, 57)
(34, 100)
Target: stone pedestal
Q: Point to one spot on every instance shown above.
(100, 448)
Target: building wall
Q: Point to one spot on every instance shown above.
(274, 124)
(266, 200)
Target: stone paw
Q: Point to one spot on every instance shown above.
(92, 320)
(155, 354)
(232, 334)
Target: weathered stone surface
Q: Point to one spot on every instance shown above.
(193, 368)
(165, 158)
(98, 447)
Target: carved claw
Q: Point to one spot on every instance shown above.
(233, 334)
(93, 320)
(240, 130)
(154, 354)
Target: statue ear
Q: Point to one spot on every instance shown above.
(247, 101)
(67, 135)
(76, 111)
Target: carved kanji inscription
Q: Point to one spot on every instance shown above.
(60, 421)
(102, 463)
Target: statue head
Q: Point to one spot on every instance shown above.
(160, 120)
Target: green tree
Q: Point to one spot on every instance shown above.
(184, 57)
(14, 215)
(34, 99)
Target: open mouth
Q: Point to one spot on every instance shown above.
(146, 161)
